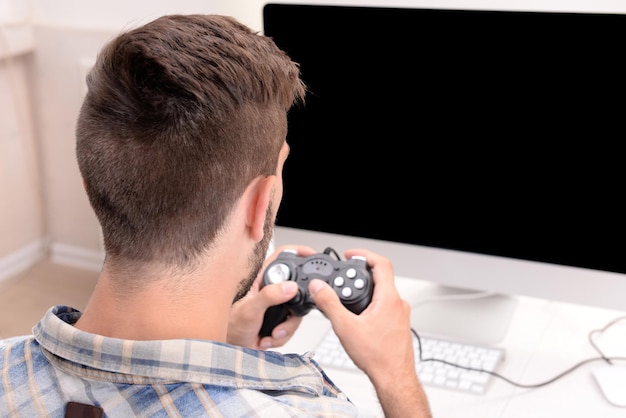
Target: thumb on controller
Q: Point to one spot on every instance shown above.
(325, 298)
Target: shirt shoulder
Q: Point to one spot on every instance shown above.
(13, 347)
(130, 378)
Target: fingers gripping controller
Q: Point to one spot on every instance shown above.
(351, 280)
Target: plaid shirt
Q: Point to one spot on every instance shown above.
(40, 374)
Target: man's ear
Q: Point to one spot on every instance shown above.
(261, 189)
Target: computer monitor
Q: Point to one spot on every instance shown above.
(480, 150)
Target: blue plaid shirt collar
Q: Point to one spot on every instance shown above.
(182, 360)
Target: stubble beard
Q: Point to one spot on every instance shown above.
(257, 258)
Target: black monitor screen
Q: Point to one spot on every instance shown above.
(494, 132)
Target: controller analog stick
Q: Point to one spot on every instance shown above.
(278, 273)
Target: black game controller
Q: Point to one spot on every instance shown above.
(351, 279)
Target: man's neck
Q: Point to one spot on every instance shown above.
(194, 308)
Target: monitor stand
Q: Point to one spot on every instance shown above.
(462, 314)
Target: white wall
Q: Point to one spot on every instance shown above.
(111, 15)
(42, 203)
(14, 11)
(21, 199)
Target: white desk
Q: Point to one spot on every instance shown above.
(545, 339)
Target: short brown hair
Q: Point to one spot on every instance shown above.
(180, 115)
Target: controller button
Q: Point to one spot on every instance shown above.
(339, 281)
(346, 292)
(351, 273)
(278, 273)
(359, 283)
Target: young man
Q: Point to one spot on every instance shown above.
(181, 144)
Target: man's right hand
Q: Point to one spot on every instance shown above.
(378, 340)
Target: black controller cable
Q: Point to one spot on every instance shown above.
(602, 357)
(329, 250)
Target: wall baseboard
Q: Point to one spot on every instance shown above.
(22, 259)
(63, 254)
(69, 255)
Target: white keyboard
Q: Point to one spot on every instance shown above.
(329, 353)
